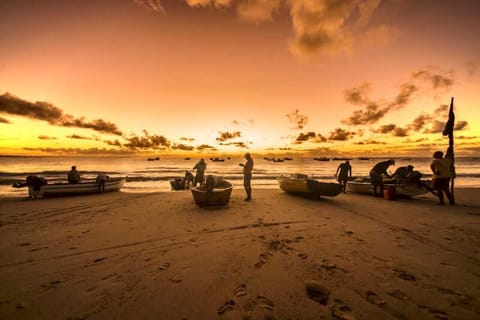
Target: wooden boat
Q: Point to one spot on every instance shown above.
(216, 194)
(67, 189)
(321, 159)
(178, 184)
(217, 159)
(302, 185)
(363, 185)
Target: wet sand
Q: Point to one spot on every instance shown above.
(159, 256)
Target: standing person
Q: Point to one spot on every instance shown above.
(345, 173)
(377, 173)
(247, 175)
(201, 166)
(73, 175)
(441, 175)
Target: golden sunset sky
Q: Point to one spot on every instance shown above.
(322, 77)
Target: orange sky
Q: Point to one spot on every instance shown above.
(328, 77)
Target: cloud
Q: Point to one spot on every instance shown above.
(187, 139)
(369, 141)
(205, 3)
(224, 136)
(3, 120)
(373, 111)
(297, 119)
(182, 146)
(340, 134)
(471, 68)
(420, 122)
(393, 129)
(115, 143)
(310, 136)
(147, 141)
(203, 147)
(45, 111)
(460, 125)
(151, 5)
(257, 10)
(328, 26)
(78, 137)
(44, 137)
(238, 144)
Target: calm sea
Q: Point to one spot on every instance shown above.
(149, 176)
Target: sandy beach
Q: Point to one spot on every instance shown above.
(159, 256)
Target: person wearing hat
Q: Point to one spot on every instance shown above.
(73, 175)
(247, 175)
(201, 166)
(441, 168)
(377, 173)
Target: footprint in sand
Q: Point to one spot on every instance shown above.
(303, 255)
(164, 266)
(404, 275)
(240, 290)
(265, 303)
(228, 305)
(398, 294)
(342, 311)
(317, 292)
(372, 297)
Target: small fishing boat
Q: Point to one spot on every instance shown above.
(216, 192)
(321, 159)
(217, 159)
(67, 189)
(363, 185)
(302, 185)
(179, 184)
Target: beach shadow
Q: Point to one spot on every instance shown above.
(308, 197)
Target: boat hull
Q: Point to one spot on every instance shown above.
(309, 187)
(218, 196)
(364, 186)
(66, 189)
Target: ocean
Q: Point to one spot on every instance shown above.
(151, 176)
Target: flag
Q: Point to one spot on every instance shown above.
(451, 119)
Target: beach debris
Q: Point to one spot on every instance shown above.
(99, 259)
(228, 305)
(373, 298)
(317, 292)
(240, 290)
(176, 278)
(341, 311)
(264, 302)
(24, 244)
(164, 266)
(404, 275)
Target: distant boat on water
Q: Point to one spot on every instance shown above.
(341, 159)
(363, 158)
(217, 159)
(187, 158)
(321, 159)
(153, 159)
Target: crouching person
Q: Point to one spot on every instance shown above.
(102, 178)
(34, 184)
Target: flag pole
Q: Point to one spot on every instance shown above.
(448, 131)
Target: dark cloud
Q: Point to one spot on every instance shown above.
(393, 129)
(369, 141)
(147, 141)
(340, 134)
(310, 136)
(182, 146)
(115, 143)
(420, 122)
(298, 120)
(460, 125)
(238, 144)
(224, 136)
(3, 120)
(187, 139)
(357, 95)
(78, 137)
(53, 115)
(44, 137)
(373, 111)
(203, 147)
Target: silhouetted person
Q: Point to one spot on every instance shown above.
(73, 175)
(100, 180)
(201, 166)
(247, 175)
(345, 170)
(441, 168)
(188, 179)
(402, 173)
(377, 173)
(34, 184)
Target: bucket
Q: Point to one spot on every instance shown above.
(390, 193)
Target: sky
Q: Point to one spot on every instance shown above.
(315, 77)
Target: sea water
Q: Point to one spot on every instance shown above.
(150, 176)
